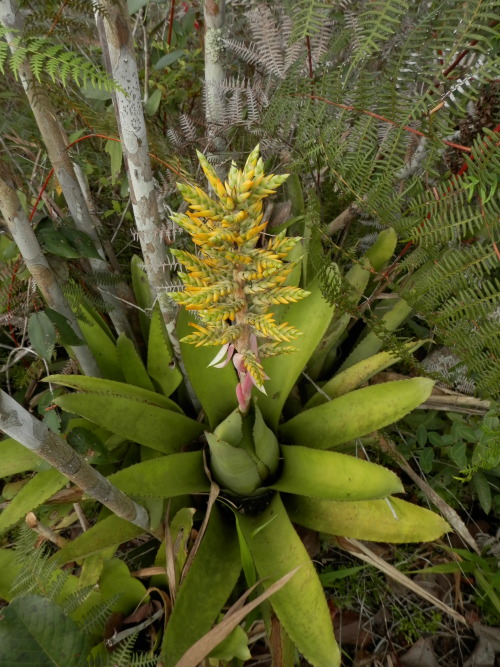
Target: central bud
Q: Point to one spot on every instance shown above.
(244, 452)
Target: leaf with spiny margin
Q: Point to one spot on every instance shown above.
(132, 365)
(35, 631)
(205, 589)
(33, 494)
(357, 413)
(334, 476)
(392, 520)
(311, 316)
(162, 366)
(142, 292)
(140, 422)
(215, 387)
(112, 388)
(300, 605)
(101, 343)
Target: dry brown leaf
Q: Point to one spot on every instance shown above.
(199, 651)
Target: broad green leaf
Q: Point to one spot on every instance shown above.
(311, 316)
(356, 414)
(162, 366)
(115, 580)
(140, 422)
(333, 476)
(33, 494)
(142, 292)
(354, 376)
(215, 387)
(132, 366)
(66, 334)
(233, 467)
(101, 344)
(205, 589)
(53, 240)
(114, 150)
(483, 490)
(42, 334)
(35, 631)
(394, 520)
(112, 388)
(81, 242)
(153, 102)
(14, 458)
(165, 477)
(108, 532)
(135, 5)
(300, 605)
(169, 59)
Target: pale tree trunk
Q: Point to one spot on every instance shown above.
(55, 143)
(119, 57)
(214, 72)
(22, 426)
(21, 231)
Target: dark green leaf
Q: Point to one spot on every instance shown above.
(42, 334)
(52, 240)
(83, 440)
(458, 454)
(426, 459)
(421, 435)
(169, 59)
(483, 491)
(66, 334)
(153, 102)
(81, 242)
(35, 631)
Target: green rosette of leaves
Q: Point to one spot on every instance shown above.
(289, 470)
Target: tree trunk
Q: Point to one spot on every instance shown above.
(214, 72)
(20, 228)
(33, 434)
(119, 57)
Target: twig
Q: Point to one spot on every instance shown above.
(44, 531)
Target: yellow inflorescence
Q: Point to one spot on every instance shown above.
(235, 277)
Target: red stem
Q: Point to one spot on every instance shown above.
(171, 22)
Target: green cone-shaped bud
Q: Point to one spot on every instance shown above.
(244, 452)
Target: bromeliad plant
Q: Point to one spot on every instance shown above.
(270, 472)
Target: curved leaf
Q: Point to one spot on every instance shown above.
(146, 424)
(164, 477)
(35, 631)
(101, 343)
(355, 414)
(33, 494)
(105, 533)
(334, 476)
(369, 519)
(300, 605)
(311, 316)
(102, 386)
(215, 387)
(354, 376)
(205, 589)
(162, 366)
(132, 366)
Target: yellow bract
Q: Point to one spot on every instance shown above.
(236, 276)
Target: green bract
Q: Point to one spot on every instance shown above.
(285, 467)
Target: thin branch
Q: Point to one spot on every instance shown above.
(22, 426)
